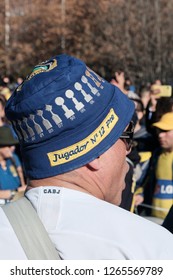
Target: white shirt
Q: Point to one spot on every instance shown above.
(84, 227)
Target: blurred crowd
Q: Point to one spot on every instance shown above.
(149, 182)
(12, 179)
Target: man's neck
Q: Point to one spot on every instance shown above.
(168, 150)
(75, 180)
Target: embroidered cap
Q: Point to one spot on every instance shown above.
(166, 122)
(65, 115)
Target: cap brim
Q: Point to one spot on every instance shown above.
(163, 126)
(9, 143)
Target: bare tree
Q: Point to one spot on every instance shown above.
(135, 34)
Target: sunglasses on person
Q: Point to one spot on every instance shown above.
(127, 136)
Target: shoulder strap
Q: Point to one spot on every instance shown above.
(30, 230)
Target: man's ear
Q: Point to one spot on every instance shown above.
(94, 164)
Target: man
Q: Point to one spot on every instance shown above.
(162, 168)
(75, 133)
(11, 173)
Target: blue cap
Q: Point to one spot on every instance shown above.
(65, 115)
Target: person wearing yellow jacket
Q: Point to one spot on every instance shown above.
(163, 189)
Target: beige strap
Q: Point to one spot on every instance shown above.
(30, 231)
